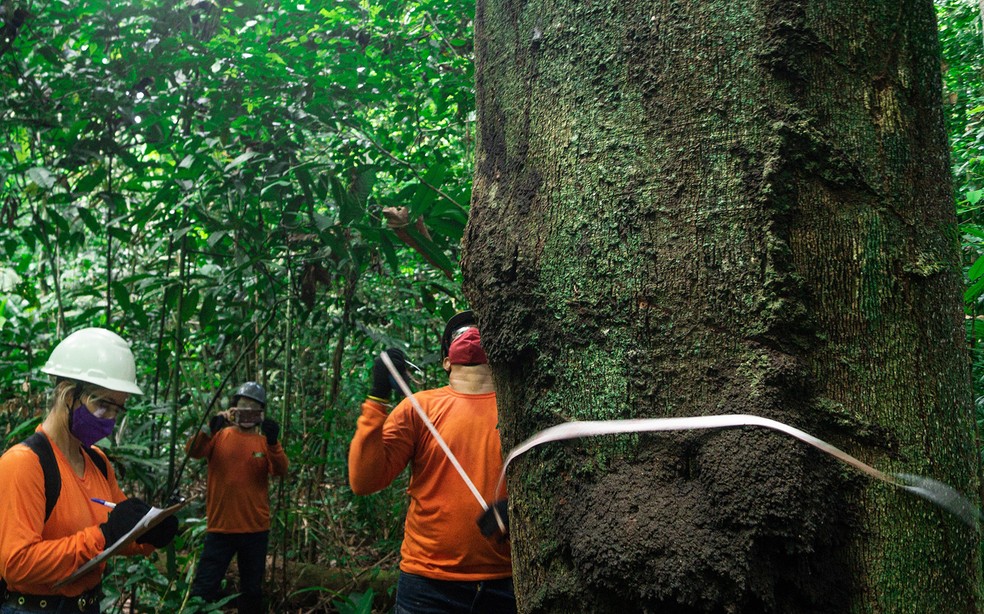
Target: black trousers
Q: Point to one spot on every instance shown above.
(250, 550)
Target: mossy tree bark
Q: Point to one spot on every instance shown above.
(693, 208)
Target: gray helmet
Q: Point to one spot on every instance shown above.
(251, 390)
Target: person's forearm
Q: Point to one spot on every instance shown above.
(373, 464)
(278, 460)
(49, 560)
(197, 445)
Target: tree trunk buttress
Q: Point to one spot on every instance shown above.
(694, 208)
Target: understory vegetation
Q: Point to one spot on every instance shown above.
(273, 191)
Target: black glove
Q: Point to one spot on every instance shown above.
(122, 518)
(488, 522)
(382, 381)
(271, 429)
(162, 534)
(217, 423)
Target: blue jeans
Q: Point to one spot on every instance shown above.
(66, 606)
(250, 550)
(419, 595)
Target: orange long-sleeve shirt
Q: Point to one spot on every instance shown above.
(35, 554)
(239, 468)
(441, 538)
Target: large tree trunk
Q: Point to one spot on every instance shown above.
(692, 208)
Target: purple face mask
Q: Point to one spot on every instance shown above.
(88, 428)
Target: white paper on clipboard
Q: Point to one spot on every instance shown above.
(151, 519)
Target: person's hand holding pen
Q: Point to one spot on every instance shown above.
(134, 510)
(122, 518)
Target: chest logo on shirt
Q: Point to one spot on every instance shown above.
(258, 454)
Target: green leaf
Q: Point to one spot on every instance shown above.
(206, 315)
(122, 296)
(436, 256)
(171, 296)
(348, 210)
(389, 253)
(138, 313)
(425, 193)
(321, 222)
(282, 183)
(58, 220)
(238, 160)
(91, 181)
(450, 226)
(362, 184)
(121, 234)
(977, 269)
(130, 160)
(189, 303)
(427, 298)
(974, 292)
(42, 177)
(215, 237)
(89, 219)
(973, 230)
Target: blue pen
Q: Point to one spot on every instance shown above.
(109, 504)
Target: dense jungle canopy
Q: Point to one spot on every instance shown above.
(221, 182)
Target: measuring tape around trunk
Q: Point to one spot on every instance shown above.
(932, 490)
(927, 488)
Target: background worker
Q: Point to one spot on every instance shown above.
(94, 375)
(242, 451)
(447, 566)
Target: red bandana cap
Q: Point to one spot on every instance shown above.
(466, 349)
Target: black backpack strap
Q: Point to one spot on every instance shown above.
(49, 466)
(98, 460)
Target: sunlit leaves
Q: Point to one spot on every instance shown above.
(42, 177)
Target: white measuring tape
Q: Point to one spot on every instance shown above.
(433, 430)
(936, 492)
(927, 488)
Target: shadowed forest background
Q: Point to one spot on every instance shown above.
(209, 180)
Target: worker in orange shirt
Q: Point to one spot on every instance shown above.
(61, 504)
(447, 565)
(242, 450)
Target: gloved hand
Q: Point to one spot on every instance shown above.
(488, 522)
(271, 429)
(122, 518)
(382, 382)
(217, 423)
(162, 534)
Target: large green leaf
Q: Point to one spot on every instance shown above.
(427, 190)
(349, 209)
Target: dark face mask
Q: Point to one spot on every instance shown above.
(88, 428)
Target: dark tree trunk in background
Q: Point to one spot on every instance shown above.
(694, 208)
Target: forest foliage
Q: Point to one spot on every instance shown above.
(209, 179)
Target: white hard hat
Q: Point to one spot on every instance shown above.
(96, 356)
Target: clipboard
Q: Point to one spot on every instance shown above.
(151, 519)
